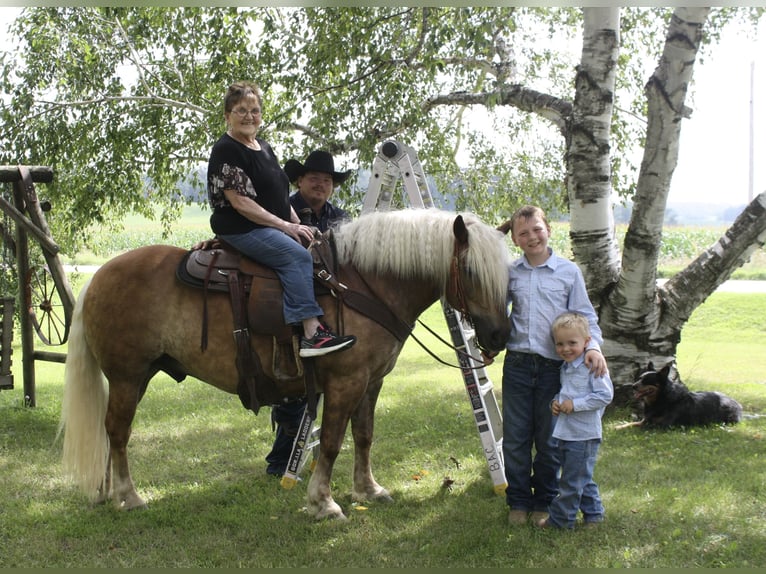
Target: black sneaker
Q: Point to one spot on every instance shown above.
(324, 341)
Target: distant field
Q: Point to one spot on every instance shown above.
(680, 244)
(192, 227)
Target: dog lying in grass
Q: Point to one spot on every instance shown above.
(667, 403)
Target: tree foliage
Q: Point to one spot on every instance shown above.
(125, 102)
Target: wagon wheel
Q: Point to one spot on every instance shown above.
(50, 315)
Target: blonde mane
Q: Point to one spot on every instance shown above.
(418, 244)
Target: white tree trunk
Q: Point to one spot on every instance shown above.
(588, 163)
(634, 318)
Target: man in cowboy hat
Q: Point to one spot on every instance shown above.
(315, 179)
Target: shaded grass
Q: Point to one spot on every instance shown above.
(683, 498)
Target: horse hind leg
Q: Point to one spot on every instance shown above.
(123, 401)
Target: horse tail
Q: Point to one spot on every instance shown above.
(83, 412)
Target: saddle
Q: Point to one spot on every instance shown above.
(256, 297)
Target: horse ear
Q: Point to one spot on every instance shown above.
(505, 227)
(460, 231)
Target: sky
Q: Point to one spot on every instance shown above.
(714, 154)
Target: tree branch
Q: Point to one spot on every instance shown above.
(688, 289)
(104, 99)
(555, 110)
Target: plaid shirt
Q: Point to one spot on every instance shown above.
(328, 216)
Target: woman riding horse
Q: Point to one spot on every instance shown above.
(135, 318)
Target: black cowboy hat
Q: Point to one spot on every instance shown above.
(318, 160)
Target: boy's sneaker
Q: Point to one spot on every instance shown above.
(324, 341)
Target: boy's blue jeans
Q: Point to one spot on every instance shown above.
(292, 263)
(577, 491)
(530, 382)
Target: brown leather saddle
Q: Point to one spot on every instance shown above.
(217, 268)
(256, 297)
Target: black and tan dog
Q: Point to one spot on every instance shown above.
(667, 403)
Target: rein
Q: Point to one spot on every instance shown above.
(456, 285)
(479, 363)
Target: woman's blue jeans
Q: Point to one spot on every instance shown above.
(291, 262)
(577, 491)
(530, 382)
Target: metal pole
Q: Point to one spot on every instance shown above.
(752, 133)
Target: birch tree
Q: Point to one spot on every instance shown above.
(642, 322)
(124, 102)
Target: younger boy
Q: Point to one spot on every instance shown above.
(578, 407)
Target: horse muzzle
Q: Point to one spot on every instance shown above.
(492, 335)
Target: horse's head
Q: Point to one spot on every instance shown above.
(478, 281)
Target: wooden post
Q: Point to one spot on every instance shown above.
(39, 173)
(25, 296)
(6, 338)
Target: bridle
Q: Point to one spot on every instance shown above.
(455, 283)
(455, 288)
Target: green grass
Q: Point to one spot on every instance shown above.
(685, 498)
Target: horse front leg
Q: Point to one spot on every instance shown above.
(320, 501)
(366, 487)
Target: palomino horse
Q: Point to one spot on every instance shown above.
(134, 318)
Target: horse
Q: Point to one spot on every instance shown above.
(134, 318)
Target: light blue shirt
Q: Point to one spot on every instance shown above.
(540, 294)
(590, 395)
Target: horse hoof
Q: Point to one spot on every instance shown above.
(132, 503)
(380, 496)
(329, 512)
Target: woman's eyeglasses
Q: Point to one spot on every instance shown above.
(242, 112)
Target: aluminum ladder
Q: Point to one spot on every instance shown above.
(398, 162)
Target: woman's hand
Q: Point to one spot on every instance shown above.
(303, 234)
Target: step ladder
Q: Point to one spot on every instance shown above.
(397, 162)
(305, 444)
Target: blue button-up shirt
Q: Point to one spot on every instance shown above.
(589, 394)
(540, 294)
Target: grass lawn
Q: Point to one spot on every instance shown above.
(675, 499)
(684, 498)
